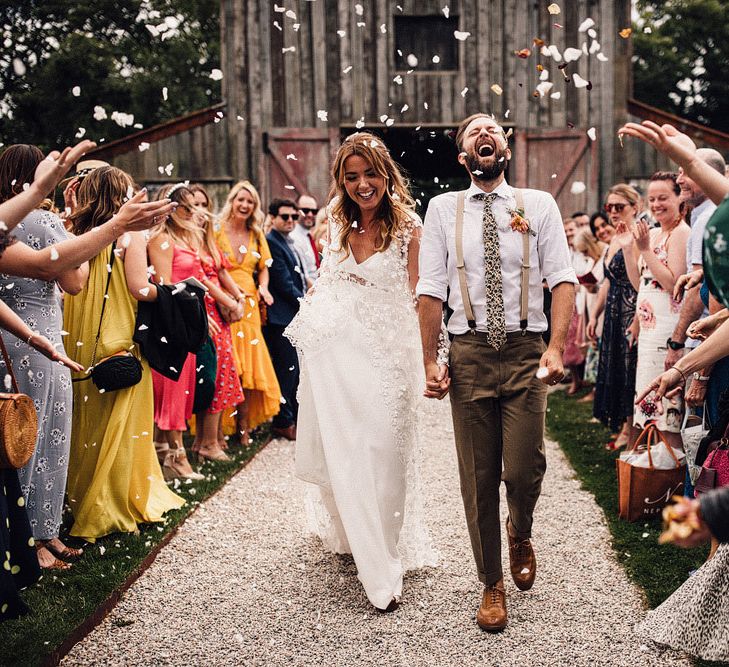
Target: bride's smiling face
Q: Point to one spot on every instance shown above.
(363, 184)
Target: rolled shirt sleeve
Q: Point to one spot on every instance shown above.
(555, 262)
(433, 258)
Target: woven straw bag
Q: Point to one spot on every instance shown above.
(18, 423)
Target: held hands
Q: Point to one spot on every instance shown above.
(51, 170)
(45, 347)
(138, 214)
(437, 380)
(664, 138)
(551, 361)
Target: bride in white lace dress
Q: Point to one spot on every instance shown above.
(361, 374)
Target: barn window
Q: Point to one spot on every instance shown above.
(428, 38)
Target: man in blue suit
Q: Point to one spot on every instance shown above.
(286, 284)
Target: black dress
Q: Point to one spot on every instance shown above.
(615, 386)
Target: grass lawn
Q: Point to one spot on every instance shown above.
(658, 570)
(60, 602)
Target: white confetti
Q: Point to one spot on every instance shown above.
(586, 25)
(144, 291)
(347, 69)
(322, 115)
(19, 67)
(544, 87)
(268, 262)
(143, 146)
(446, 11)
(99, 113)
(461, 35)
(76, 91)
(592, 133)
(496, 88)
(579, 81)
(554, 9)
(542, 372)
(164, 93)
(81, 132)
(570, 54)
(578, 187)
(216, 74)
(359, 9)
(288, 49)
(54, 254)
(412, 60)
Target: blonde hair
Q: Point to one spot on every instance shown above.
(255, 221)
(396, 208)
(626, 192)
(181, 230)
(587, 244)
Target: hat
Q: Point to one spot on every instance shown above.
(84, 168)
(716, 257)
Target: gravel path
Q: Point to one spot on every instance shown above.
(244, 584)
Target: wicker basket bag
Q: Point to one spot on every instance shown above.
(18, 423)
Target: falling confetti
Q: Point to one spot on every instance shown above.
(578, 187)
(554, 9)
(496, 88)
(461, 36)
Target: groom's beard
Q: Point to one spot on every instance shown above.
(487, 172)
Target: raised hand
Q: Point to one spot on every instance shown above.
(624, 235)
(51, 170)
(642, 235)
(137, 214)
(666, 139)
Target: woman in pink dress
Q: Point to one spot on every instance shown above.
(224, 303)
(173, 253)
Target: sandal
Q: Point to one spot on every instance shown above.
(67, 553)
(56, 564)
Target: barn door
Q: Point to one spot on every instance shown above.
(554, 160)
(297, 161)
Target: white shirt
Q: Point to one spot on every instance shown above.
(699, 217)
(301, 237)
(549, 255)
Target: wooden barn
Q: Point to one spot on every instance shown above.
(299, 77)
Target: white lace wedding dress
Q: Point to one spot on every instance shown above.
(359, 397)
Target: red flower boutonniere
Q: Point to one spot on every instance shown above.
(519, 223)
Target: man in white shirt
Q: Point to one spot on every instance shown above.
(498, 397)
(693, 307)
(303, 239)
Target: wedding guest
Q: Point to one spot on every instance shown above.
(114, 480)
(224, 303)
(581, 219)
(287, 285)
(615, 386)
(573, 356)
(174, 252)
(654, 260)
(601, 227)
(244, 246)
(302, 235)
(320, 230)
(37, 301)
(201, 197)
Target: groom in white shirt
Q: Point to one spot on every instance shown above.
(487, 252)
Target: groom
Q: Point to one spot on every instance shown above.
(487, 250)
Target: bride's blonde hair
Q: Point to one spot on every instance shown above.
(395, 212)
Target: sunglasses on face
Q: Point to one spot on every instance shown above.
(306, 211)
(288, 216)
(618, 208)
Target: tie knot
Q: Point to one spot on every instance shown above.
(486, 196)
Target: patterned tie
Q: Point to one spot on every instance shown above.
(495, 321)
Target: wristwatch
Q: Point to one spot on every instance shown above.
(701, 378)
(675, 345)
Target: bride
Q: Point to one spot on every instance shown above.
(361, 373)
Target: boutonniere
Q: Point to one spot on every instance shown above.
(519, 223)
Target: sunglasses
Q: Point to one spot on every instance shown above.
(618, 208)
(288, 216)
(306, 211)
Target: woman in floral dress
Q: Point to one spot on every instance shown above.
(654, 261)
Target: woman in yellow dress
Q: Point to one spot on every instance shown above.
(242, 242)
(114, 478)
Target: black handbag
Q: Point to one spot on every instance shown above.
(119, 370)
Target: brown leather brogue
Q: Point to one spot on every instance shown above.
(522, 560)
(491, 615)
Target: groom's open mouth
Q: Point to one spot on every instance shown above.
(486, 150)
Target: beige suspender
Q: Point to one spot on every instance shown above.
(461, 267)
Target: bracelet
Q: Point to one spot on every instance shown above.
(683, 375)
(27, 340)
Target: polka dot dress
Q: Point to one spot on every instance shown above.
(19, 564)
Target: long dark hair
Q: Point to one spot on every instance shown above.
(17, 167)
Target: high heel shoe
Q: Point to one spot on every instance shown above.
(176, 466)
(214, 455)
